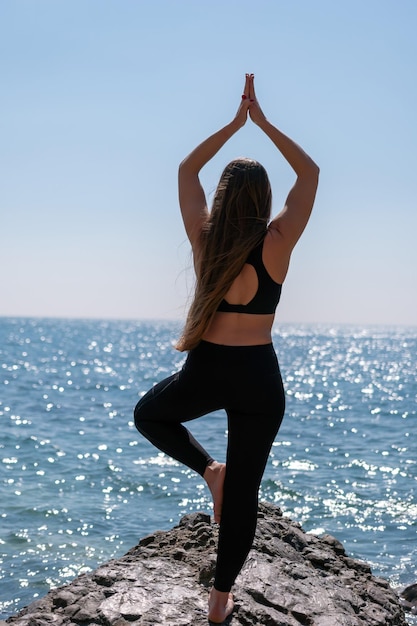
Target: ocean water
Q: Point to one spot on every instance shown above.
(78, 485)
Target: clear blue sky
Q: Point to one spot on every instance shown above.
(100, 101)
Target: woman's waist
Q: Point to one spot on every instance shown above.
(240, 329)
(223, 361)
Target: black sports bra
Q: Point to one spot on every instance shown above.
(267, 296)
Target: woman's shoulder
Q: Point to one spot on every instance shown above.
(275, 255)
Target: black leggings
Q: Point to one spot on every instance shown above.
(246, 382)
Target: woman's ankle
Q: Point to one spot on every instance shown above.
(221, 605)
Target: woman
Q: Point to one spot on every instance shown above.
(241, 259)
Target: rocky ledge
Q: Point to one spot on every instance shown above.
(291, 578)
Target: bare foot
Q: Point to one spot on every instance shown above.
(214, 477)
(220, 605)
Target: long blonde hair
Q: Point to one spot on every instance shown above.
(237, 223)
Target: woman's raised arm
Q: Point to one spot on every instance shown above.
(293, 218)
(191, 194)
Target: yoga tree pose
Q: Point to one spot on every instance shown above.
(241, 257)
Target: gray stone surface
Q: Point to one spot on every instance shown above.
(291, 578)
(409, 598)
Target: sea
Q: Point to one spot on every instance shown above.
(80, 486)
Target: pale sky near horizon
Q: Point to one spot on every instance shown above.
(100, 101)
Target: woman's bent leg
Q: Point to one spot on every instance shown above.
(184, 396)
(159, 416)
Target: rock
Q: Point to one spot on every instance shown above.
(408, 598)
(291, 578)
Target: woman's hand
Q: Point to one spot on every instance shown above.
(255, 111)
(242, 112)
(249, 104)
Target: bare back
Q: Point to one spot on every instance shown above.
(239, 329)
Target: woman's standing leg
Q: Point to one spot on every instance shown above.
(254, 417)
(250, 441)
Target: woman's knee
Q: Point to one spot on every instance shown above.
(140, 415)
(148, 412)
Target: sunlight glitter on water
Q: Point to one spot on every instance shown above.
(79, 486)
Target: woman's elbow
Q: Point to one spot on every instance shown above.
(315, 170)
(313, 174)
(185, 166)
